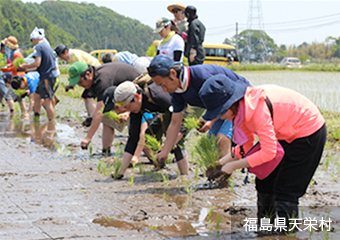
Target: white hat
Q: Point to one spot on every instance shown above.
(123, 94)
(38, 33)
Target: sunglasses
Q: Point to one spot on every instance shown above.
(176, 10)
(124, 103)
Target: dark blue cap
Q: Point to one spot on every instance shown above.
(219, 93)
(160, 65)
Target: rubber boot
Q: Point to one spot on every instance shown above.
(287, 210)
(265, 209)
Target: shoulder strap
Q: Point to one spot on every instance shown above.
(147, 92)
(270, 106)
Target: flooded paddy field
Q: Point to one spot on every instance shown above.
(52, 189)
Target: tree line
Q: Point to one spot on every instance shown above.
(326, 51)
(78, 25)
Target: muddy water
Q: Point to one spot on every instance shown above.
(49, 183)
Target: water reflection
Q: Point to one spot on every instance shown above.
(41, 133)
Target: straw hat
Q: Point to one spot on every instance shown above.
(177, 5)
(11, 42)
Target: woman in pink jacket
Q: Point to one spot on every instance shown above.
(288, 117)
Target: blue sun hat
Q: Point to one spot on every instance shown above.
(160, 65)
(219, 93)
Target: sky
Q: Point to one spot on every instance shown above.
(286, 22)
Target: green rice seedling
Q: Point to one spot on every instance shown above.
(91, 148)
(152, 143)
(119, 149)
(149, 173)
(154, 228)
(104, 166)
(112, 115)
(192, 153)
(311, 233)
(290, 232)
(231, 184)
(196, 173)
(210, 214)
(311, 183)
(168, 160)
(325, 229)
(325, 234)
(158, 177)
(327, 162)
(118, 164)
(134, 165)
(141, 169)
(2, 61)
(191, 122)
(207, 151)
(69, 114)
(189, 186)
(106, 152)
(130, 181)
(109, 170)
(99, 166)
(302, 212)
(17, 62)
(165, 179)
(84, 191)
(76, 115)
(218, 219)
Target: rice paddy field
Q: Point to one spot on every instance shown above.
(320, 87)
(149, 204)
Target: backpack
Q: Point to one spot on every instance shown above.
(143, 81)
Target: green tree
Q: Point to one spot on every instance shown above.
(257, 47)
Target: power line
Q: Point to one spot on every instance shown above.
(288, 22)
(275, 30)
(304, 20)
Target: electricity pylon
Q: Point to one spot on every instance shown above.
(256, 49)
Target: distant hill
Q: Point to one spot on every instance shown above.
(79, 25)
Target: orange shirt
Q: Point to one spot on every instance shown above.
(295, 116)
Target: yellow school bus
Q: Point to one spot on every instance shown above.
(98, 54)
(220, 54)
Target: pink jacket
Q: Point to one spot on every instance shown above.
(295, 116)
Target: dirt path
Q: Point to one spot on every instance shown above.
(50, 189)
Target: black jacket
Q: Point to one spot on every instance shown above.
(196, 34)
